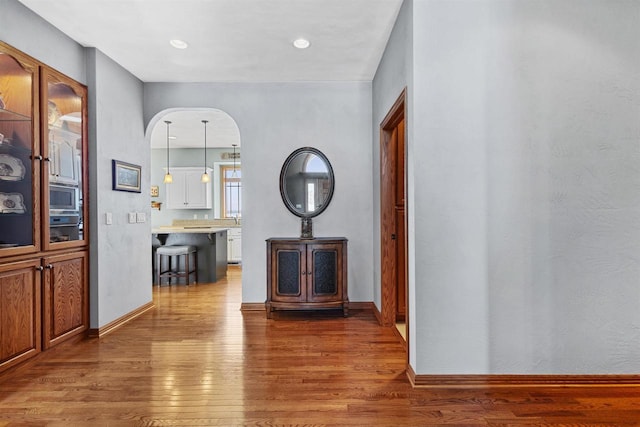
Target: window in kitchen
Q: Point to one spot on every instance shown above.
(231, 191)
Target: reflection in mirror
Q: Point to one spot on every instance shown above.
(65, 163)
(306, 182)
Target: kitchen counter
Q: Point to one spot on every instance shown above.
(210, 241)
(163, 229)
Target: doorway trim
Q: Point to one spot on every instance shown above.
(388, 258)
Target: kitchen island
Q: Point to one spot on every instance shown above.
(211, 243)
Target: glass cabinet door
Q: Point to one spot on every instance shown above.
(64, 148)
(19, 160)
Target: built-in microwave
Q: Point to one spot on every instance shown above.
(63, 198)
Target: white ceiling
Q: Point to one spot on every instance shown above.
(230, 40)
(187, 128)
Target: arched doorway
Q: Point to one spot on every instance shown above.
(179, 146)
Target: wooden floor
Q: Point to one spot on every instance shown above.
(197, 360)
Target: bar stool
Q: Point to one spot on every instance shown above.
(179, 253)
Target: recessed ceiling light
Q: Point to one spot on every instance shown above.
(178, 44)
(301, 43)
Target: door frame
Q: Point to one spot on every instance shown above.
(388, 266)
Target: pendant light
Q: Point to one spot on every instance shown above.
(233, 175)
(236, 184)
(168, 179)
(205, 176)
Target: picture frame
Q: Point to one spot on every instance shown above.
(126, 176)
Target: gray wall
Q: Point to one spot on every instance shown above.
(524, 195)
(121, 252)
(395, 72)
(275, 119)
(34, 36)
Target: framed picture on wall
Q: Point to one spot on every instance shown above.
(126, 176)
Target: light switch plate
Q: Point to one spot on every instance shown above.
(108, 218)
(132, 217)
(141, 217)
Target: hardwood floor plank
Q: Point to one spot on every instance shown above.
(197, 360)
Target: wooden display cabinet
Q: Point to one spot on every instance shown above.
(43, 243)
(306, 274)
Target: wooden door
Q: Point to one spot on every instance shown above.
(400, 225)
(66, 297)
(393, 236)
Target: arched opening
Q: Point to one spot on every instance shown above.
(178, 148)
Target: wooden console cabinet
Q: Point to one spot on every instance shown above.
(306, 274)
(43, 215)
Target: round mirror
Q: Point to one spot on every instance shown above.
(306, 182)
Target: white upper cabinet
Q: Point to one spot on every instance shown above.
(187, 191)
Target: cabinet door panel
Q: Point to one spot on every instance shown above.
(176, 191)
(19, 311)
(64, 146)
(19, 161)
(325, 277)
(65, 297)
(325, 281)
(62, 158)
(196, 191)
(234, 248)
(288, 273)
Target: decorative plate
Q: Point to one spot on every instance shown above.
(11, 203)
(11, 168)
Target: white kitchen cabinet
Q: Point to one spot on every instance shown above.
(187, 191)
(63, 159)
(234, 245)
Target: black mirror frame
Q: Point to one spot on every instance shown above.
(283, 174)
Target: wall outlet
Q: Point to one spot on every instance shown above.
(108, 218)
(195, 216)
(141, 217)
(132, 217)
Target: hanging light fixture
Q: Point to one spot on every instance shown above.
(233, 174)
(236, 184)
(205, 176)
(168, 179)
